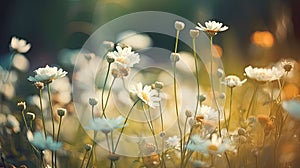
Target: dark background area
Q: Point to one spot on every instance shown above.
(53, 25)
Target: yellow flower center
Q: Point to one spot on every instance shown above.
(212, 147)
(145, 97)
(122, 60)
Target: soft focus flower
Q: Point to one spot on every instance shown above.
(208, 113)
(22, 105)
(47, 74)
(13, 123)
(106, 125)
(194, 33)
(287, 65)
(120, 72)
(212, 27)
(38, 140)
(124, 57)
(61, 111)
(173, 141)
(292, 107)
(215, 145)
(264, 74)
(93, 101)
(146, 94)
(109, 45)
(179, 25)
(233, 81)
(19, 45)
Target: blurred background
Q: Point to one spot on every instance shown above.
(267, 30)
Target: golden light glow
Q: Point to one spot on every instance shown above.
(263, 39)
(290, 91)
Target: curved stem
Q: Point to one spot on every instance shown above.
(124, 124)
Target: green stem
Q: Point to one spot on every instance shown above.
(230, 108)
(176, 42)
(92, 150)
(41, 108)
(197, 75)
(93, 115)
(104, 85)
(86, 152)
(109, 91)
(25, 121)
(52, 118)
(107, 141)
(251, 101)
(124, 124)
(57, 137)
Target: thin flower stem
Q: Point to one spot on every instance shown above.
(149, 122)
(227, 159)
(93, 115)
(176, 42)
(107, 141)
(230, 108)
(163, 164)
(57, 137)
(41, 109)
(251, 101)
(92, 150)
(52, 118)
(161, 116)
(86, 152)
(197, 75)
(212, 85)
(124, 124)
(25, 121)
(104, 85)
(109, 91)
(112, 140)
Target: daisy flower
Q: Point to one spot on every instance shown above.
(47, 74)
(124, 57)
(264, 74)
(146, 94)
(19, 45)
(212, 27)
(106, 125)
(233, 81)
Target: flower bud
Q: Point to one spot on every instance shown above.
(22, 105)
(174, 57)
(93, 101)
(110, 59)
(220, 73)
(241, 131)
(158, 85)
(30, 116)
(88, 147)
(188, 113)
(194, 33)
(39, 85)
(222, 96)
(162, 134)
(179, 25)
(201, 98)
(61, 111)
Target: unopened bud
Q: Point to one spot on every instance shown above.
(93, 101)
(179, 25)
(188, 113)
(158, 85)
(39, 85)
(88, 147)
(110, 59)
(61, 111)
(174, 57)
(201, 98)
(194, 33)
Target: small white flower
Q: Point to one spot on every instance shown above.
(47, 74)
(106, 125)
(212, 27)
(19, 45)
(38, 140)
(146, 94)
(264, 74)
(233, 81)
(208, 113)
(173, 141)
(124, 57)
(292, 107)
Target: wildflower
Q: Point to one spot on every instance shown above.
(287, 65)
(264, 74)
(158, 85)
(19, 45)
(39, 85)
(233, 81)
(188, 113)
(47, 74)
(106, 125)
(208, 113)
(175, 57)
(194, 33)
(173, 141)
(13, 123)
(61, 111)
(146, 94)
(292, 107)
(38, 140)
(124, 57)
(93, 101)
(212, 27)
(179, 25)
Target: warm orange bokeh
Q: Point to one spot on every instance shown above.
(263, 39)
(290, 91)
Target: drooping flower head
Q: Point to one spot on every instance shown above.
(47, 74)
(124, 57)
(19, 45)
(212, 27)
(106, 125)
(264, 74)
(233, 81)
(38, 140)
(146, 94)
